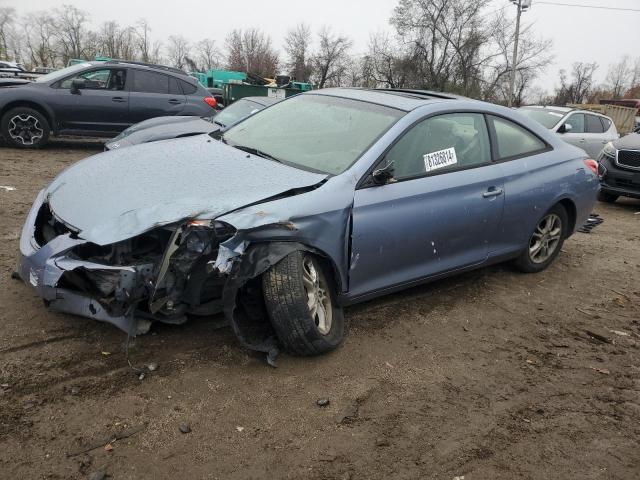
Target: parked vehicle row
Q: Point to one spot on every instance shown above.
(97, 99)
(322, 200)
(588, 130)
(163, 128)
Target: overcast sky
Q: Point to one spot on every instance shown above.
(579, 34)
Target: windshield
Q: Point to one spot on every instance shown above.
(237, 111)
(545, 116)
(315, 132)
(62, 73)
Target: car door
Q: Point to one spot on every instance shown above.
(101, 104)
(438, 213)
(595, 135)
(577, 134)
(154, 94)
(532, 174)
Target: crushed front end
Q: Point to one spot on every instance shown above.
(160, 275)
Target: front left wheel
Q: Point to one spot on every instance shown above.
(301, 303)
(24, 127)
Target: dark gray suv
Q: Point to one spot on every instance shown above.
(97, 99)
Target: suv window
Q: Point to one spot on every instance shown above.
(594, 125)
(188, 88)
(150, 82)
(440, 144)
(103, 79)
(514, 140)
(576, 120)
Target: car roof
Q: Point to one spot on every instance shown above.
(552, 108)
(147, 66)
(401, 99)
(567, 110)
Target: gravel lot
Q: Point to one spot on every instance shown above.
(489, 375)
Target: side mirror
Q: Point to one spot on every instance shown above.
(78, 84)
(382, 176)
(565, 128)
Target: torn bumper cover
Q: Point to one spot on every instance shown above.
(159, 275)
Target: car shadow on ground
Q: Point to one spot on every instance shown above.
(75, 143)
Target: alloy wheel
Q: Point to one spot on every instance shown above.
(545, 239)
(25, 129)
(318, 298)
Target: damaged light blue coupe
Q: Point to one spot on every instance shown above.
(325, 199)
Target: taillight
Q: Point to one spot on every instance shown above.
(211, 102)
(592, 165)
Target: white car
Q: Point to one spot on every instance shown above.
(588, 130)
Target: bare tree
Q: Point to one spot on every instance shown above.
(386, 64)
(251, 51)
(445, 36)
(331, 59)
(533, 58)
(70, 23)
(208, 55)
(39, 31)
(297, 45)
(7, 20)
(580, 86)
(178, 51)
(619, 76)
(143, 40)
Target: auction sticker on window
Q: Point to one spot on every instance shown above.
(440, 159)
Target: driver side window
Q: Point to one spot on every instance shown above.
(576, 121)
(104, 79)
(441, 144)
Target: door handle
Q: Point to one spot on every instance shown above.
(582, 140)
(492, 192)
(118, 99)
(174, 101)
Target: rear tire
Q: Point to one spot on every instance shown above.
(607, 197)
(545, 241)
(24, 127)
(301, 303)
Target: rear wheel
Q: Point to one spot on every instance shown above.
(300, 300)
(545, 242)
(25, 127)
(607, 197)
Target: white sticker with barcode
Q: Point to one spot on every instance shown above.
(440, 159)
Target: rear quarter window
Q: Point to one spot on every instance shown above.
(606, 123)
(512, 140)
(150, 82)
(188, 88)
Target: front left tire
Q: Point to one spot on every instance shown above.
(301, 302)
(24, 127)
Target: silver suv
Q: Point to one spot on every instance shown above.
(588, 130)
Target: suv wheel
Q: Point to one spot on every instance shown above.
(25, 127)
(607, 197)
(545, 242)
(300, 301)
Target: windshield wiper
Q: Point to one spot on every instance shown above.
(255, 151)
(219, 123)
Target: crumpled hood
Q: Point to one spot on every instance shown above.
(161, 128)
(119, 194)
(628, 142)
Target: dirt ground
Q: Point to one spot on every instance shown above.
(489, 375)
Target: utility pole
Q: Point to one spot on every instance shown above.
(522, 5)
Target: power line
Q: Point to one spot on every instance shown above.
(589, 6)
